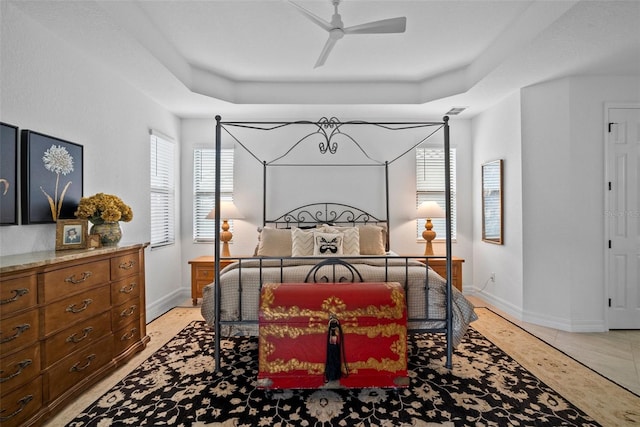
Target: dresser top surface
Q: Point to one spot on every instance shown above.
(11, 263)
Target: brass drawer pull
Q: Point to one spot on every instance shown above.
(128, 289)
(23, 402)
(18, 293)
(128, 312)
(72, 308)
(19, 368)
(131, 334)
(127, 265)
(85, 333)
(72, 279)
(78, 368)
(19, 331)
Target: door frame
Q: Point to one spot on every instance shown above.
(605, 129)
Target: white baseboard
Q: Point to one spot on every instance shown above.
(541, 319)
(498, 303)
(158, 308)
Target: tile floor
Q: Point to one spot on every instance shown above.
(613, 354)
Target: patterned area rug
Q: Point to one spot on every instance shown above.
(177, 385)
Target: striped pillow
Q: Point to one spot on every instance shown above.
(301, 242)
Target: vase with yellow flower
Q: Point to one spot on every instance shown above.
(105, 211)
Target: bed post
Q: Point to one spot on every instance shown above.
(386, 182)
(264, 193)
(449, 294)
(216, 246)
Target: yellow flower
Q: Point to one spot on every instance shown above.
(104, 208)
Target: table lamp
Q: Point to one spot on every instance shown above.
(228, 210)
(429, 210)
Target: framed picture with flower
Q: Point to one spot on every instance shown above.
(51, 178)
(8, 174)
(71, 234)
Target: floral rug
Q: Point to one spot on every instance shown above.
(177, 386)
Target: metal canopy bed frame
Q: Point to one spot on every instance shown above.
(328, 130)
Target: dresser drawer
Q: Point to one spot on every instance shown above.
(125, 289)
(126, 336)
(78, 366)
(21, 404)
(200, 284)
(76, 308)
(19, 331)
(125, 265)
(204, 273)
(18, 294)
(67, 281)
(79, 335)
(124, 313)
(19, 368)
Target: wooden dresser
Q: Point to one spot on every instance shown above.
(67, 319)
(202, 274)
(439, 265)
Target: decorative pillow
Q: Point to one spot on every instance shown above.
(275, 242)
(371, 240)
(351, 240)
(327, 244)
(301, 242)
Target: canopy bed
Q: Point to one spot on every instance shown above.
(331, 242)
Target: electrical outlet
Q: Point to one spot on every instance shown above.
(493, 277)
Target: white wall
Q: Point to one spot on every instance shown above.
(550, 271)
(563, 151)
(49, 87)
(496, 135)
(364, 188)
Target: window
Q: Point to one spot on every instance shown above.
(430, 186)
(204, 185)
(162, 191)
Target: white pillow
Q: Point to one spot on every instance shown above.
(301, 242)
(327, 244)
(351, 240)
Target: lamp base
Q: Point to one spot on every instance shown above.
(225, 237)
(428, 234)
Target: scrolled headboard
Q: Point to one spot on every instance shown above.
(331, 213)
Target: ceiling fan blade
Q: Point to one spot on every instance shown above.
(391, 25)
(328, 46)
(313, 18)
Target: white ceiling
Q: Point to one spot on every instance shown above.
(201, 58)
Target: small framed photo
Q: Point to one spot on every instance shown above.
(71, 234)
(94, 241)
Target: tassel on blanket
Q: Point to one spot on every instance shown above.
(335, 351)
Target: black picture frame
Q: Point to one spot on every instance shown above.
(8, 174)
(50, 190)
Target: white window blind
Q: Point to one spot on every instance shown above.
(204, 186)
(162, 192)
(430, 186)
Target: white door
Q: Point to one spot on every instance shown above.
(623, 217)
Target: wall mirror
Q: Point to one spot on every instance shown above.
(492, 202)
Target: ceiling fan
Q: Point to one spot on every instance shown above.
(337, 29)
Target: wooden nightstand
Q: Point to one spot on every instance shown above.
(202, 274)
(439, 265)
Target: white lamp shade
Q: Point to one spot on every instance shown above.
(429, 210)
(228, 210)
